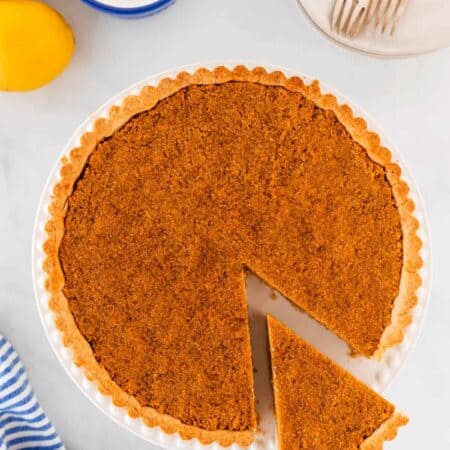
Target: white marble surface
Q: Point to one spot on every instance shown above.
(410, 98)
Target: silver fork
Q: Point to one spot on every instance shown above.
(350, 16)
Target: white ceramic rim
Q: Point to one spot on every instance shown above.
(386, 371)
(131, 8)
(127, 4)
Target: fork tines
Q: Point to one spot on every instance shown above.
(350, 16)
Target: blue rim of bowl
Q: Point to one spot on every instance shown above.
(151, 8)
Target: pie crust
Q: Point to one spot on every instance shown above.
(386, 432)
(72, 166)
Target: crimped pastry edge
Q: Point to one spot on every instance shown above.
(387, 431)
(72, 165)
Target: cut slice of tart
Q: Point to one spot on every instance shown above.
(320, 406)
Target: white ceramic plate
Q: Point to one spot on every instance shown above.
(261, 302)
(423, 28)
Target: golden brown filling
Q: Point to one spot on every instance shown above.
(170, 209)
(319, 406)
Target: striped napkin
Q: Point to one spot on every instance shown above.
(23, 423)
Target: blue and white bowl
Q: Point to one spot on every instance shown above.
(129, 8)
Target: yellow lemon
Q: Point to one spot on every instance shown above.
(36, 44)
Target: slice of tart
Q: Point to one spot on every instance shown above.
(319, 406)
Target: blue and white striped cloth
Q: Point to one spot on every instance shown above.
(23, 423)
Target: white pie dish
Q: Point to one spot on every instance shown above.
(377, 375)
